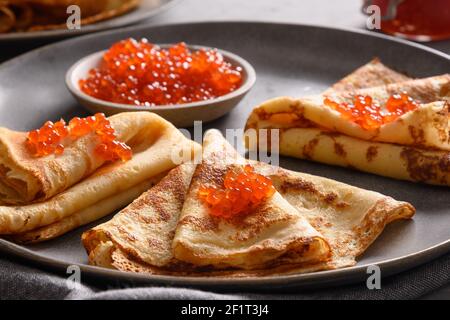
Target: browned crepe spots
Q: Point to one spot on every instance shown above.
(371, 153)
(336, 141)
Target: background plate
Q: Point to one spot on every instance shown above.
(289, 60)
(145, 10)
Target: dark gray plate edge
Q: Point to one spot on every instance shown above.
(320, 279)
(96, 27)
(317, 279)
(225, 22)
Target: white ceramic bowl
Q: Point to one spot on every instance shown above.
(181, 115)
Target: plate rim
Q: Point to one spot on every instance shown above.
(311, 280)
(319, 279)
(225, 22)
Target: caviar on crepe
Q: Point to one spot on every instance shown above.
(369, 114)
(241, 192)
(51, 138)
(143, 74)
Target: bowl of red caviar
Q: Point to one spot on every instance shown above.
(182, 83)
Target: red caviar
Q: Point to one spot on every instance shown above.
(141, 73)
(241, 192)
(51, 137)
(369, 114)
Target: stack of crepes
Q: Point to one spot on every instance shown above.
(415, 146)
(44, 197)
(310, 223)
(33, 15)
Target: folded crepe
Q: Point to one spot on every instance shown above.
(7, 18)
(146, 228)
(273, 233)
(25, 178)
(413, 147)
(349, 218)
(169, 226)
(168, 231)
(85, 216)
(77, 187)
(372, 74)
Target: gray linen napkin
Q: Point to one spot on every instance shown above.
(19, 281)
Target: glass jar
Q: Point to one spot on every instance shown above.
(418, 20)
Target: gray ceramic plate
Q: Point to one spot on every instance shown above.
(145, 10)
(289, 60)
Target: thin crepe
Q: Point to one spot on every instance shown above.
(427, 126)
(169, 228)
(156, 149)
(414, 147)
(85, 216)
(271, 234)
(349, 218)
(146, 228)
(7, 18)
(25, 178)
(372, 74)
(138, 240)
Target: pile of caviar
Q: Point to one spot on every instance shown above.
(241, 192)
(51, 137)
(140, 73)
(369, 114)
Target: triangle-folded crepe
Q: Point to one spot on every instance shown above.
(372, 74)
(146, 228)
(349, 218)
(170, 226)
(167, 231)
(413, 147)
(80, 188)
(273, 233)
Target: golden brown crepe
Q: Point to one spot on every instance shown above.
(169, 227)
(35, 15)
(372, 74)
(146, 228)
(349, 218)
(414, 147)
(426, 126)
(156, 146)
(146, 236)
(7, 18)
(85, 216)
(274, 233)
(25, 178)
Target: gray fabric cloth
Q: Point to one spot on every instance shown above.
(24, 282)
